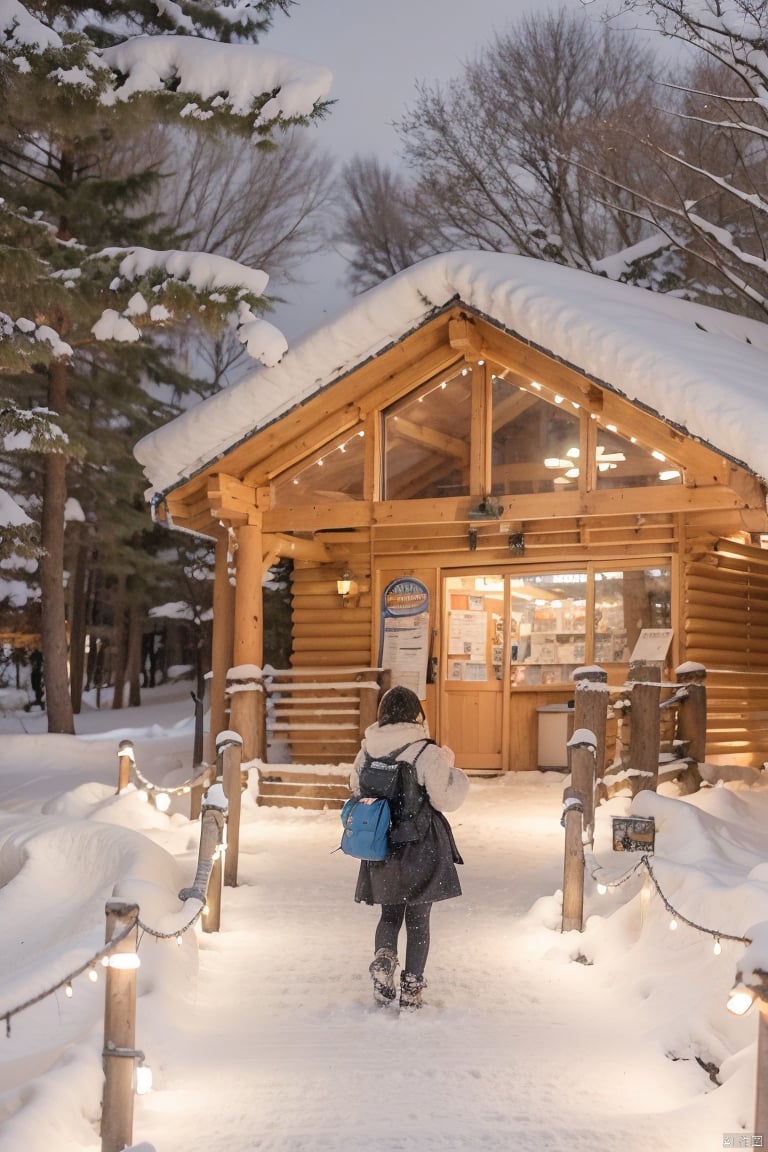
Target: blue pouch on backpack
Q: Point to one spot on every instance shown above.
(366, 828)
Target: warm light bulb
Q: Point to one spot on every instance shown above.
(179, 940)
(673, 924)
(162, 801)
(93, 975)
(143, 1079)
(143, 796)
(740, 1000)
(602, 889)
(69, 991)
(717, 947)
(123, 960)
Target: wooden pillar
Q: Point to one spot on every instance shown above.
(645, 724)
(223, 634)
(119, 1030)
(247, 706)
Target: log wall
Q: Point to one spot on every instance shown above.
(726, 630)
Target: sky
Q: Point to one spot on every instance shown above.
(377, 52)
(263, 1037)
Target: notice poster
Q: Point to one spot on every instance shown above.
(404, 645)
(652, 644)
(467, 635)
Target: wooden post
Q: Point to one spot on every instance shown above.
(645, 724)
(369, 700)
(581, 753)
(692, 712)
(125, 763)
(591, 709)
(206, 887)
(119, 1031)
(761, 1079)
(212, 918)
(573, 863)
(230, 749)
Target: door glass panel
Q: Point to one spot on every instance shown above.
(547, 627)
(626, 602)
(535, 438)
(426, 440)
(475, 629)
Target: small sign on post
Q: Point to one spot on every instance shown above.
(634, 834)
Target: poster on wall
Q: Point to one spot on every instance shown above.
(404, 647)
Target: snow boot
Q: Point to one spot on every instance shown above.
(382, 970)
(411, 987)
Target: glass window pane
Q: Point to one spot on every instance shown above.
(535, 438)
(623, 463)
(335, 473)
(426, 440)
(547, 626)
(626, 602)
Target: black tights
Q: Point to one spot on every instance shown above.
(417, 933)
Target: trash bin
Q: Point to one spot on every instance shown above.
(555, 721)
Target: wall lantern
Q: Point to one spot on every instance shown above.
(344, 583)
(347, 588)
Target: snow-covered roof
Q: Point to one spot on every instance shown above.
(702, 369)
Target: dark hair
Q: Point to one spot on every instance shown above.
(400, 705)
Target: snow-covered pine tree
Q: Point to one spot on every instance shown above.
(83, 268)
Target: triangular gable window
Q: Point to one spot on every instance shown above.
(334, 473)
(535, 441)
(426, 440)
(538, 445)
(623, 463)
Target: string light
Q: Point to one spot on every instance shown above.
(107, 958)
(677, 917)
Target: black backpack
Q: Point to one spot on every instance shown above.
(389, 778)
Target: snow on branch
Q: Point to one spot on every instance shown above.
(217, 276)
(233, 75)
(19, 26)
(11, 329)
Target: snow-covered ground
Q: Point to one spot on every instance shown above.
(262, 1037)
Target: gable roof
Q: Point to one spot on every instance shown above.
(701, 369)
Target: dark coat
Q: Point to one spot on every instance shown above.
(424, 870)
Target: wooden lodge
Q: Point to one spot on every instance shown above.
(488, 472)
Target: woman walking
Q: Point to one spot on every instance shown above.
(418, 871)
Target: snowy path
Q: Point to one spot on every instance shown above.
(296, 1059)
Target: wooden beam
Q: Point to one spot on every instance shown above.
(278, 544)
(463, 336)
(432, 439)
(230, 500)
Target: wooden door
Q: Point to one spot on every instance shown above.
(472, 669)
